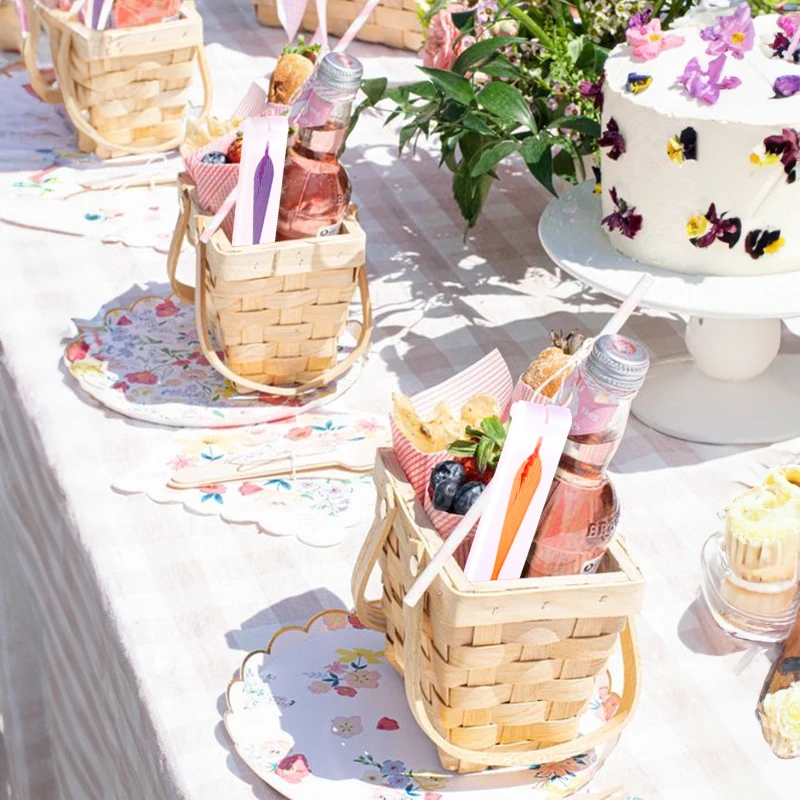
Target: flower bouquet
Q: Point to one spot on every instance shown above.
(520, 79)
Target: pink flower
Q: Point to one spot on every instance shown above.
(346, 727)
(293, 768)
(77, 351)
(167, 309)
(182, 362)
(337, 668)
(442, 47)
(202, 362)
(649, 40)
(356, 623)
(387, 724)
(249, 488)
(363, 678)
(121, 386)
(145, 376)
(123, 320)
(705, 85)
(214, 488)
(432, 796)
(319, 687)
(346, 691)
(734, 34)
(300, 433)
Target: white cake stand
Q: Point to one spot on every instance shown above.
(734, 388)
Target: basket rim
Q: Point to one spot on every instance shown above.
(628, 575)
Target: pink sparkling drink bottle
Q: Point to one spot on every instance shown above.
(316, 189)
(581, 513)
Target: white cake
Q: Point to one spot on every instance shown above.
(731, 169)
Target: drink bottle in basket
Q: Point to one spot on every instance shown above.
(316, 188)
(581, 513)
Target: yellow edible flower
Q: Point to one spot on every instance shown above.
(775, 246)
(675, 150)
(696, 226)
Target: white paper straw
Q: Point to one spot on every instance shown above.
(219, 217)
(449, 546)
(628, 306)
(105, 12)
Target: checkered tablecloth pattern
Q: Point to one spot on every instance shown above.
(122, 621)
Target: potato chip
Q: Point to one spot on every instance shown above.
(478, 408)
(411, 426)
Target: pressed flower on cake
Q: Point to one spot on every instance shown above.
(704, 229)
(683, 147)
(613, 139)
(786, 86)
(784, 146)
(705, 84)
(624, 219)
(758, 243)
(636, 83)
(648, 40)
(734, 34)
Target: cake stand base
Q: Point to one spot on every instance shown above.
(680, 400)
(734, 388)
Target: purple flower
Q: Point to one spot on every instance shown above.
(624, 219)
(717, 227)
(397, 781)
(612, 138)
(734, 34)
(786, 85)
(641, 19)
(705, 85)
(636, 84)
(758, 242)
(788, 24)
(787, 146)
(593, 91)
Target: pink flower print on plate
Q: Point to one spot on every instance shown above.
(319, 687)
(346, 727)
(295, 434)
(145, 377)
(345, 691)
(387, 724)
(363, 679)
(293, 769)
(335, 622)
(337, 668)
(248, 488)
(77, 351)
(167, 309)
(356, 623)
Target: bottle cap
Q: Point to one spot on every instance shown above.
(618, 363)
(341, 72)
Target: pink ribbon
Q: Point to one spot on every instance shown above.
(290, 14)
(23, 17)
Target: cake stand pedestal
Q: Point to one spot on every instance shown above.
(734, 388)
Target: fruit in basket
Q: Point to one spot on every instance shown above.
(445, 482)
(466, 497)
(433, 435)
(552, 359)
(214, 157)
(479, 451)
(234, 154)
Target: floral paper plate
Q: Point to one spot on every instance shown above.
(145, 362)
(321, 714)
(317, 508)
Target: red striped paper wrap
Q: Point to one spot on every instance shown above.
(489, 376)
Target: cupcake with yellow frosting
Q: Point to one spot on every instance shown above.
(780, 720)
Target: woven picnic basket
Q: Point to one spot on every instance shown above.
(125, 90)
(278, 310)
(394, 22)
(496, 673)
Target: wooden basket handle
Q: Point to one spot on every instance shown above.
(67, 96)
(197, 295)
(412, 666)
(30, 45)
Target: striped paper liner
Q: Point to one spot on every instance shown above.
(445, 524)
(489, 376)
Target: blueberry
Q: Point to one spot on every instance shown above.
(466, 496)
(443, 494)
(448, 471)
(215, 157)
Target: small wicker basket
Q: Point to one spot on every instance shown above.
(393, 23)
(125, 90)
(496, 673)
(279, 309)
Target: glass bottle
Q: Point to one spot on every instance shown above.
(316, 188)
(581, 513)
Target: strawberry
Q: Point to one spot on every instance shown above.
(479, 452)
(234, 154)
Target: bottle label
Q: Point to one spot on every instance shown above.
(330, 230)
(589, 415)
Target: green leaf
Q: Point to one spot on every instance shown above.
(422, 89)
(506, 103)
(581, 124)
(463, 19)
(493, 428)
(500, 67)
(575, 48)
(452, 86)
(406, 132)
(480, 51)
(482, 453)
(536, 150)
(472, 122)
(491, 157)
(470, 194)
(374, 89)
(452, 112)
(462, 448)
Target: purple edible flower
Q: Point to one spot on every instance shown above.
(786, 85)
(787, 146)
(788, 24)
(593, 91)
(780, 44)
(734, 34)
(641, 19)
(624, 219)
(726, 230)
(612, 138)
(758, 242)
(705, 85)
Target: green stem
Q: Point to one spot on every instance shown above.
(526, 22)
